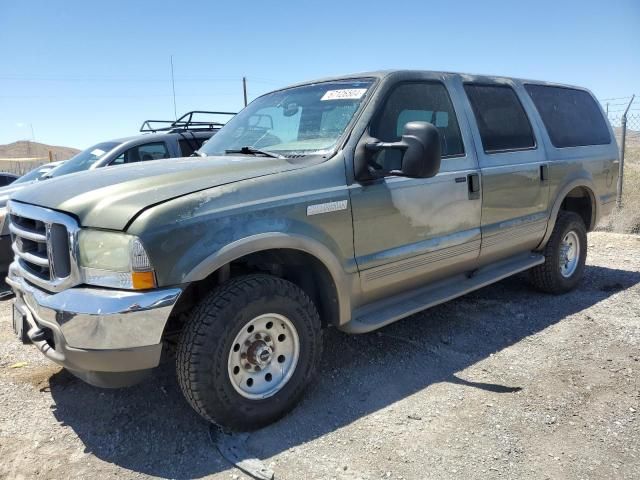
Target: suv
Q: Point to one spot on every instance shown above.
(162, 139)
(349, 202)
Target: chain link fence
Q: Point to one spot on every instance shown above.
(20, 167)
(24, 155)
(624, 116)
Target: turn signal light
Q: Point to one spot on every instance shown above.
(143, 280)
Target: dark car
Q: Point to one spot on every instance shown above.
(7, 178)
(161, 139)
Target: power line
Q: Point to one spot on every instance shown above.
(163, 95)
(617, 104)
(131, 79)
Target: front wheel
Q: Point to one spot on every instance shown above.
(565, 255)
(248, 351)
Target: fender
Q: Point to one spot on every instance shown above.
(273, 240)
(583, 182)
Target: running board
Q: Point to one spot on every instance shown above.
(383, 312)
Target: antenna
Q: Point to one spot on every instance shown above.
(244, 89)
(173, 87)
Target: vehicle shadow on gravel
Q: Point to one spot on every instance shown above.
(150, 428)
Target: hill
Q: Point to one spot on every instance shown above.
(26, 150)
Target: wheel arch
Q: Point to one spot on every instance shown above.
(322, 260)
(579, 188)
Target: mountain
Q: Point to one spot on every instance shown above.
(26, 150)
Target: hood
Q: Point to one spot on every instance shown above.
(110, 197)
(10, 189)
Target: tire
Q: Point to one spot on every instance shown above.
(213, 379)
(555, 275)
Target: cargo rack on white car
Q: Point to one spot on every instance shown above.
(184, 123)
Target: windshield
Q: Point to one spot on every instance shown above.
(297, 121)
(34, 174)
(83, 160)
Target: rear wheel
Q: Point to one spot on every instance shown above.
(248, 351)
(565, 255)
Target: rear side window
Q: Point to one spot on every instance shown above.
(572, 117)
(501, 119)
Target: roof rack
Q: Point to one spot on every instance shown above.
(185, 122)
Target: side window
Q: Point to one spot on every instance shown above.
(119, 160)
(142, 153)
(500, 117)
(410, 102)
(572, 117)
(151, 151)
(189, 145)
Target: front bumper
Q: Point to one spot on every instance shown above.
(106, 337)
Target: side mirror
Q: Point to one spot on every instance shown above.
(420, 144)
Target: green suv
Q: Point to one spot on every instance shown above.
(348, 202)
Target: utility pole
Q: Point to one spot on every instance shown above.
(173, 87)
(31, 140)
(244, 89)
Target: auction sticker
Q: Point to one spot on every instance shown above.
(344, 94)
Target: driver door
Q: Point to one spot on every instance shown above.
(408, 231)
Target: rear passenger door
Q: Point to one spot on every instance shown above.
(515, 186)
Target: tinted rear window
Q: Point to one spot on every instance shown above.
(572, 117)
(502, 121)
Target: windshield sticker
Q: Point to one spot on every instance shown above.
(97, 152)
(344, 94)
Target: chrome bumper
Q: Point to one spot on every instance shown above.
(95, 329)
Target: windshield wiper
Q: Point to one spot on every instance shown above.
(254, 151)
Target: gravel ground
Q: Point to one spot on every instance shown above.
(502, 383)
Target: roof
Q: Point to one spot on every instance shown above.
(145, 137)
(379, 74)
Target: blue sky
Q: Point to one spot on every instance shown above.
(80, 72)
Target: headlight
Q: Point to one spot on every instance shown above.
(112, 259)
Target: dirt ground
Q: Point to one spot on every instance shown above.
(503, 383)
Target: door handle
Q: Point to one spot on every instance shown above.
(544, 173)
(473, 183)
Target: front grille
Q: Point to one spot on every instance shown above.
(30, 245)
(43, 244)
